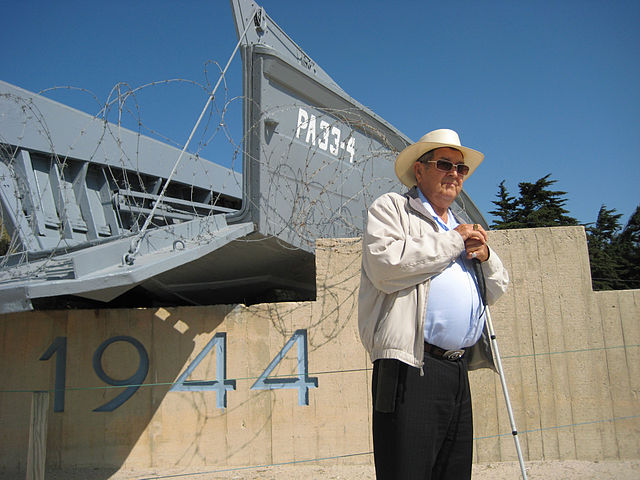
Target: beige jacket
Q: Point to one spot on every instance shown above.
(401, 251)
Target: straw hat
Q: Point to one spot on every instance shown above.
(432, 140)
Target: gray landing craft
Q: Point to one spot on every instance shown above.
(98, 218)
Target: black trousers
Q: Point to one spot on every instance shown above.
(428, 434)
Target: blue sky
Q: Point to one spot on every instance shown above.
(544, 87)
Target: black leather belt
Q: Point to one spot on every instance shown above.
(451, 355)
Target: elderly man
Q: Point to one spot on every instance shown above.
(421, 312)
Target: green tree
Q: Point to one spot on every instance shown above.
(506, 211)
(4, 240)
(536, 206)
(602, 239)
(614, 253)
(629, 251)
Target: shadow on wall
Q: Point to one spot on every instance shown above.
(84, 357)
(183, 363)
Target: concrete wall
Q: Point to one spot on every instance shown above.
(570, 355)
(571, 360)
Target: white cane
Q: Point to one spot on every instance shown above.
(514, 430)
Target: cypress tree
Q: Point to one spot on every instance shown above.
(603, 244)
(536, 206)
(507, 208)
(628, 250)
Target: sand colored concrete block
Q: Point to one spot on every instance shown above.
(621, 322)
(570, 356)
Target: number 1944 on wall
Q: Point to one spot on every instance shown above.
(221, 385)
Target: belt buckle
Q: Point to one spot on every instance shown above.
(453, 355)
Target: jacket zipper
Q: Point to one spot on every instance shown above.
(429, 220)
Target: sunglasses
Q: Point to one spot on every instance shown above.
(447, 166)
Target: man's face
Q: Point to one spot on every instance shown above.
(440, 188)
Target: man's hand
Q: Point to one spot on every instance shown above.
(475, 241)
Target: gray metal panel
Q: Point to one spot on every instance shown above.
(14, 218)
(263, 30)
(315, 158)
(319, 158)
(71, 181)
(38, 123)
(99, 273)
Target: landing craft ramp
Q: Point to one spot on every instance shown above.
(77, 191)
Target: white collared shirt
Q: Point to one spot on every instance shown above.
(455, 314)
